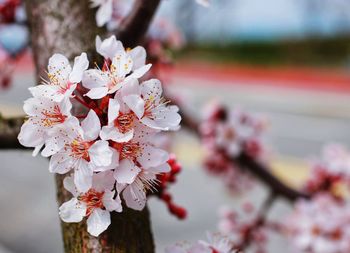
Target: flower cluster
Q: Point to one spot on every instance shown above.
(332, 170)
(320, 225)
(216, 243)
(227, 135)
(246, 229)
(105, 144)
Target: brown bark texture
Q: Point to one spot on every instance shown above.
(69, 27)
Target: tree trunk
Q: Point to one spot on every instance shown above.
(69, 27)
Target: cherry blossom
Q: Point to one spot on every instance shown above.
(124, 68)
(320, 225)
(95, 204)
(63, 78)
(44, 118)
(81, 152)
(104, 12)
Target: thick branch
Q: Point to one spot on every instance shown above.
(255, 168)
(9, 130)
(135, 25)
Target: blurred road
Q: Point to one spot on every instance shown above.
(301, 121)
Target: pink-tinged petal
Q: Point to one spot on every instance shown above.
(113, 110)
(59, 67)
(163, 168)
(108, 48)
(52, 146)
(103, 181)
(95, 78)
(72, 211)
(91, 126)
(68, 183)
(134, 197)
(151, 89)
(140, 72)
(60, 163)
(65, 106)
(138, 55)
(166, 119)
(131, 87)
(48, 91)
(83, 176)
(112, 133)
(104, 13)
(32, 106)
(81, 63)
(100, 153)
(126, 172)
(31, 135)
(97, 93)
(110, 203)
(152, 157)
(114, 163)
(98, 221)
(136, 104)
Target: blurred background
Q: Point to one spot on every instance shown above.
(286, 59)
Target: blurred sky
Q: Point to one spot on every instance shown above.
(259, 19)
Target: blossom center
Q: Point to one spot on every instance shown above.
(92, 199)
(124, 122)
(80, 149)
(53, 117)
(128, 150)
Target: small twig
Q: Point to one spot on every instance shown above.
(133, 28)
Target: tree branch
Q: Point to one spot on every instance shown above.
(255, 168)
(135, 25)
(9, 130)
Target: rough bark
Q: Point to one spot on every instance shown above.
(69, 27)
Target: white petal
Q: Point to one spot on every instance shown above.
(60, 163)
(134, 197)
(81, 64)
(97, 93)
(103, 181)
(122, 64)
(104, 13)
(151, 89)
(100, 153)
(72, 211)
(68, 183)
(91, 126)
(98, 221)
(83, 176)
(112, 133)
(126, 172)
(138, 73)
(114, 163)
(113, 110)
(163, 168)
(59, 67)
(48, 91)
(108, 48)
(31, 135)
(131, 87)
(138, 55)
(152, 157)
(110, 203)
(94, 78)
(136, 104)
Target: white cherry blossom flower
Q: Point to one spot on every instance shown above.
(96, 204)
(104, 12)
(125, 66)
(63, 78)
(45, 117)
(146, 101)
(82, 152)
